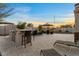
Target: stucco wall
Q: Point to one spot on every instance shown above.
(5, 30)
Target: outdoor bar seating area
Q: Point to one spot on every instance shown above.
(59, 48)
(43, 40)
(26, 36)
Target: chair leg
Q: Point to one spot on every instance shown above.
(0, 54)
(33, 37)
(25, 45)
(41, 53)
(31, 43)
(22, 42)
(25, 41)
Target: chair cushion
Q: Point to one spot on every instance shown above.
(50, 52)
(65, 43)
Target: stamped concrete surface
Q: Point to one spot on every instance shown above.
(44, 41)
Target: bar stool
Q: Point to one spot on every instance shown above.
(26, 38)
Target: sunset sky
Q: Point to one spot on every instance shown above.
(40, 13)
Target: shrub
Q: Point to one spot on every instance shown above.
(21, 25)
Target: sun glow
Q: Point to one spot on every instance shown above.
(69, 22)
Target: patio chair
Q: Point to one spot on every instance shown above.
(67, 50)
(49, 52)
(34, 32)
(57, 50)
(62, 48)
(13, 35)
(0, 54)
(65, 42)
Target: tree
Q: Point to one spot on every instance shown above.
(29, 25)
(66, 26)
(5, 11)
(21, 25)
(40, 28)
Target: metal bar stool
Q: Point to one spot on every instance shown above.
(26, 38)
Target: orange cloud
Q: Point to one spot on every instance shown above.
(36, 24)
(69, 21)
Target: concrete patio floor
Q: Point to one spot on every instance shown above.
(9, 48)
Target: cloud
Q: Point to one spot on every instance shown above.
(70, 21)
(22, 14)
(22, 9)
(36, 24)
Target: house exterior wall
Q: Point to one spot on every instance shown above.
(5, 29)
(76, 13)
(76, 22)
(2, 30)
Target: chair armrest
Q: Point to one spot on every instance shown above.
(65, 43)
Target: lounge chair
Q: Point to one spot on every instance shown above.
(49, 52)
(67, 50)
(0, 54)
(57, 50)
(61, 48)
(65, 42)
